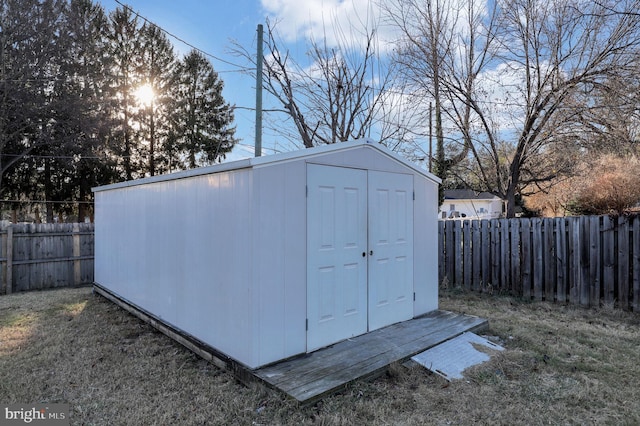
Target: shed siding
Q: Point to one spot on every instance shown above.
(280, 276)
(425, 265)
(222, 254)
(203, 289)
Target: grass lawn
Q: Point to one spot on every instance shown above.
(563, 365)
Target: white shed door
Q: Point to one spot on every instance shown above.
(336, 267)
(390, 248)
(359, 252)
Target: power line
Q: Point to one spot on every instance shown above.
(241, 68)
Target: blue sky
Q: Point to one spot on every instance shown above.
(212, 25)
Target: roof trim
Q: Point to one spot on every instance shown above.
(267, 160)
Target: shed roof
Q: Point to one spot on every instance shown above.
(255, 162)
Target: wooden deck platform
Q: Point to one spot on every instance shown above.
(312, 376)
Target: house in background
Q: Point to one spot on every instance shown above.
(469, 204)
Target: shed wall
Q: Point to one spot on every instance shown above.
(181, 250)
(279, 241)
(222, 256)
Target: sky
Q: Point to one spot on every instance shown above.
(213, 26)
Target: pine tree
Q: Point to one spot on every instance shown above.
(203, 119)
(156, 70)
(123, 50)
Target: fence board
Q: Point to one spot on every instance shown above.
(476, 245)
(594, 260)
(495, 255)
(623, 262)
(485, 238)
(636, 263)
(584, 290)
(608, 264)
(450, 253)
(527, 262)
(514, 230)
(584, 260)
(42, 256)
(548, 259)
(561, 260)
(504, 256)
(466, 253)
(538, 271)
(457, 247)
(441, 251)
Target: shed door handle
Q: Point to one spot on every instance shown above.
(371, 253)
(364, 254)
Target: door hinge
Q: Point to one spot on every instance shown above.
(306, 325)
(306, 191)
(414, 195)
(414, 296)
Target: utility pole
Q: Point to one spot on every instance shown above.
(258, 146)
(430, 136)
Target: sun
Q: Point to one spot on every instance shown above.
(145, 94)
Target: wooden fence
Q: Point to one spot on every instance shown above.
(34, 257)
(587, 260)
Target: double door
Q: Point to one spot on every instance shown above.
(359, 252)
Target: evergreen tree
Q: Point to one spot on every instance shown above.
(156, 70)
(28, 69)
(203, 119)
(123, 49)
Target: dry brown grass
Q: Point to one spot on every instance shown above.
(562, 365)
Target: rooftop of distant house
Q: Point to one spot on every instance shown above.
(467, 194)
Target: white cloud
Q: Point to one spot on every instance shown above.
(335, 21)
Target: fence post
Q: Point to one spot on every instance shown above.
(77, 271)
(9, 282)
(623, 262)
(636, 263)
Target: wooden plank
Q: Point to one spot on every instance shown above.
(77, 267)
(585, 285)
(467, 250)
(476, 246)
(538, 271)
(441, 251)
(3, 261)
(485, 239)
(549, 253)
(310, 377)
(514, 230)
(623, 262)
(505, 281)
(574, 260)
(9, 264)
(457, 250)
(595, 257)
(449, 250)
(308, 368)
(495, 260)
(527, 258)
(561, 260)
(635, 237)
(608, 261)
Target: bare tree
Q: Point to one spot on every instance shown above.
(340, 95)
(444, 47)
(534, 60)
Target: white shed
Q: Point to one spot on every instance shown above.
(270, 257)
